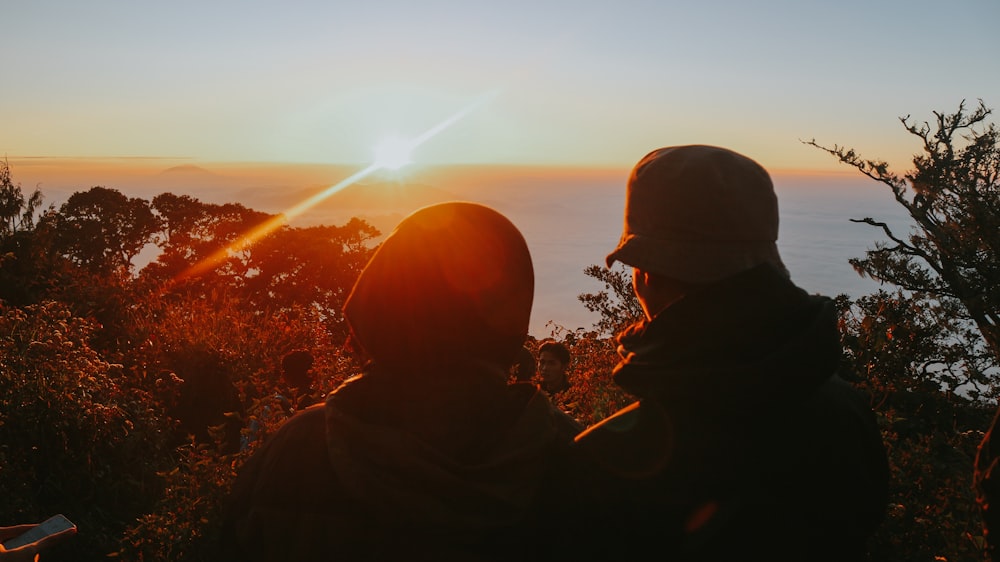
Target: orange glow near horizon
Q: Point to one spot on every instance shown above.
(382, 161)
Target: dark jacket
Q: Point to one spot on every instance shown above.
(745, 444)
(354, 479)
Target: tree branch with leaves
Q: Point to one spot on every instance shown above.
(952, 253)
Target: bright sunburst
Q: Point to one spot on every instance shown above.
(393, 152)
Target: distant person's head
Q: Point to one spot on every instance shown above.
(524, 366)
(695, 215)
(553, 361)
(453, 282)
(296, 368)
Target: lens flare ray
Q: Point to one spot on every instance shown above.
(253, 235)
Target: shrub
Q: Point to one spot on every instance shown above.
(77, 438)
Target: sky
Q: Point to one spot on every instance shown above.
(581, 83)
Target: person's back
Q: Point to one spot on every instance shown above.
(428, 454)
(745, 443)
(349, 480)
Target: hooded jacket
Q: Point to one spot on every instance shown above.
(428, 454)
(348, 480)
(745, 444)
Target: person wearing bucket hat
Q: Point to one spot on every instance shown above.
(699, 214)
(429, 453)
(745, 442)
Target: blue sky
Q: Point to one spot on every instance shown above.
(555, 83)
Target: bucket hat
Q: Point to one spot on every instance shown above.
(698, 214)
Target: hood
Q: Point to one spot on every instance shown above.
(481, 472)
(453, 280)
(752, 339)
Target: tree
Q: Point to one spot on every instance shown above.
(102, 230)
(78, 435)
(286, 268)
(952, 254)
(898, 351)
(616, 304)
(194, 231)
(953, 196)
(17, 214)
(26, 265)
(311, 267)
(85, 252)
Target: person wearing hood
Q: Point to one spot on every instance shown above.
(745, 443)
(429, 453)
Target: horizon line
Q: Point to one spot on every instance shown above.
(607, 167)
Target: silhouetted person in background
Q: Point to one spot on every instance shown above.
(299, 379)
(553, 361)
(428, 454)
(295, 392)
(745, 444)
(204, 397)
(524, 367)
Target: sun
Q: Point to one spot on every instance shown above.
(393, 152)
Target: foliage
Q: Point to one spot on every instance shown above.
(905, 359)
(288, 268)
(953, 197)
(309, 267)
(616, 304)
(951, 257)
(17, 214)
(109, 380)
(902, 341)
(195, 232)
(592, 395)
(79, 437)
(210, 347)
(215, 361)
(102, 230)
(185, 523)
(26, 267)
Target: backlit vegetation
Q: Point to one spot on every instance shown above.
(130, 397)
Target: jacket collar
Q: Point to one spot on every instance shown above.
(751, 336)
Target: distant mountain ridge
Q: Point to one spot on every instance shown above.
(187, 169)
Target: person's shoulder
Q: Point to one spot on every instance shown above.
(296, 451)
(534, 403)
(309, 399)
(302, 430)
(308, 419)
(635, 442)
(836, 398)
